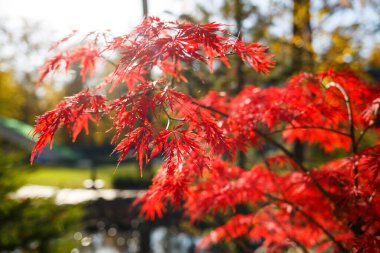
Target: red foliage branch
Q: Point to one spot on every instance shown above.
(291, 204)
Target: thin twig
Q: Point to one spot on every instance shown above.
(210, 108)
(109, 61)
(242, 245)
(269, 168)
(311, 127)
(239, 242)
(220, 55)
(170, 117)
(363, 133)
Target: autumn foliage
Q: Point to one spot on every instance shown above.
(290, 203)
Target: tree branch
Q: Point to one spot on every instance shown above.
(351, 129)
(349, 111)
(312, 220)
(300, 165)
(292, 238)
(279, 146)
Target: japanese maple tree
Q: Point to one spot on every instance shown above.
(291, 203)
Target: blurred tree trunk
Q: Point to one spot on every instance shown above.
(302, 50)
(146, 229)
(239, 73)
(145, 8)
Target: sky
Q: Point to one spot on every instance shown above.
(58, 18)
(51, 20)
(89, 15)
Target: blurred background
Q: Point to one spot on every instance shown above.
(72, 199)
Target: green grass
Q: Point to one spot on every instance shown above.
(66, 177)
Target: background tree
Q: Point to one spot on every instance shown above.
(31, 225)
(12, 97)
(27, 225)
(21, 43)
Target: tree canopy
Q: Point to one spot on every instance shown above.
(290, 203)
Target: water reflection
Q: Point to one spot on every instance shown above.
(100, 242)
(163, 239)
